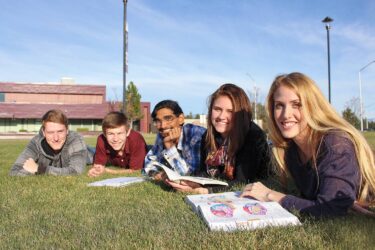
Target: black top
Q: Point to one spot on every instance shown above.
(252, 161)
(331, 189)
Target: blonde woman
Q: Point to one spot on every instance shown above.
(330, 162)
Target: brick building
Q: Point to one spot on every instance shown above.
(23, 104)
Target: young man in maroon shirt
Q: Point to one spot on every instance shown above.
(118, 146)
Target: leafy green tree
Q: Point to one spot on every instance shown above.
(133, 103)
(371, 125)
(350, 117)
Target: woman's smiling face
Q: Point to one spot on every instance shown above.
(222, 114)
(288, 114)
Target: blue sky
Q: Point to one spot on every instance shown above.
(185, 49)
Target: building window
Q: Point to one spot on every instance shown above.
(2, 97)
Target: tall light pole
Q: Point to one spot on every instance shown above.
(360, 92)
(255, 97)
(327, 20)
(125, 62)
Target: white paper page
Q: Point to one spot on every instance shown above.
(203, 180)
(116, 182)
(172, 175)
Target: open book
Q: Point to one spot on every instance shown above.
(228, 212)
(117, 182)
(176, 177)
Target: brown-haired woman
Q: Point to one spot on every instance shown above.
(234, 148)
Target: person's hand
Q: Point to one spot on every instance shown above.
(30, 166)
(96, 170)
(161, 176)
(262, 193)
(171, 136)
(187, 187)
(256, 190)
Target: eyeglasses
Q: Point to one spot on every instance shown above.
(167, 119)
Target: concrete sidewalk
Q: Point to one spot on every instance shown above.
(16, 135)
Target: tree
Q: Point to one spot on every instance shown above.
(350, 117)
(189, 116)
(133, 103)
(371, 125)
(354, 105)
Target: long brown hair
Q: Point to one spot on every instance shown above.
(321, 119)
(242, 117)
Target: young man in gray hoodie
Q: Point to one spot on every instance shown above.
(54, 151)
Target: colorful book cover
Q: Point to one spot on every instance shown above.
(228, 212)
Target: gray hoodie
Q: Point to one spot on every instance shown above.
(71, 160)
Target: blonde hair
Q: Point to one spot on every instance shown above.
(321, 118)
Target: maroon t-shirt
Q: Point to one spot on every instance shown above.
(132, 157)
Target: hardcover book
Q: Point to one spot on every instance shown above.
(228, 212)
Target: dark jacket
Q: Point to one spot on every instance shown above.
(331, 189)
(252, 161)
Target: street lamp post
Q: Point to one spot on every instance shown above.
(255, 97)
(125, 62)
(360, 92)
(327, 20)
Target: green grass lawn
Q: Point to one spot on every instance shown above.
(47, 212)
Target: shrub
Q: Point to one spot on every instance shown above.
(82, 130)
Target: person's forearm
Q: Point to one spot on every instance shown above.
(202, 190)
(18, 171)
(275, 196)
(119, 171)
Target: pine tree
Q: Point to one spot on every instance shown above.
(133, 103)
(350, 117)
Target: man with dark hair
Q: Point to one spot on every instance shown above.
(54, 151)
(118, 146)
(177, 144)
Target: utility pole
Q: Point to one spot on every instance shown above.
(255, 93)
(125, 62)
(328, 20)
(256, 90)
